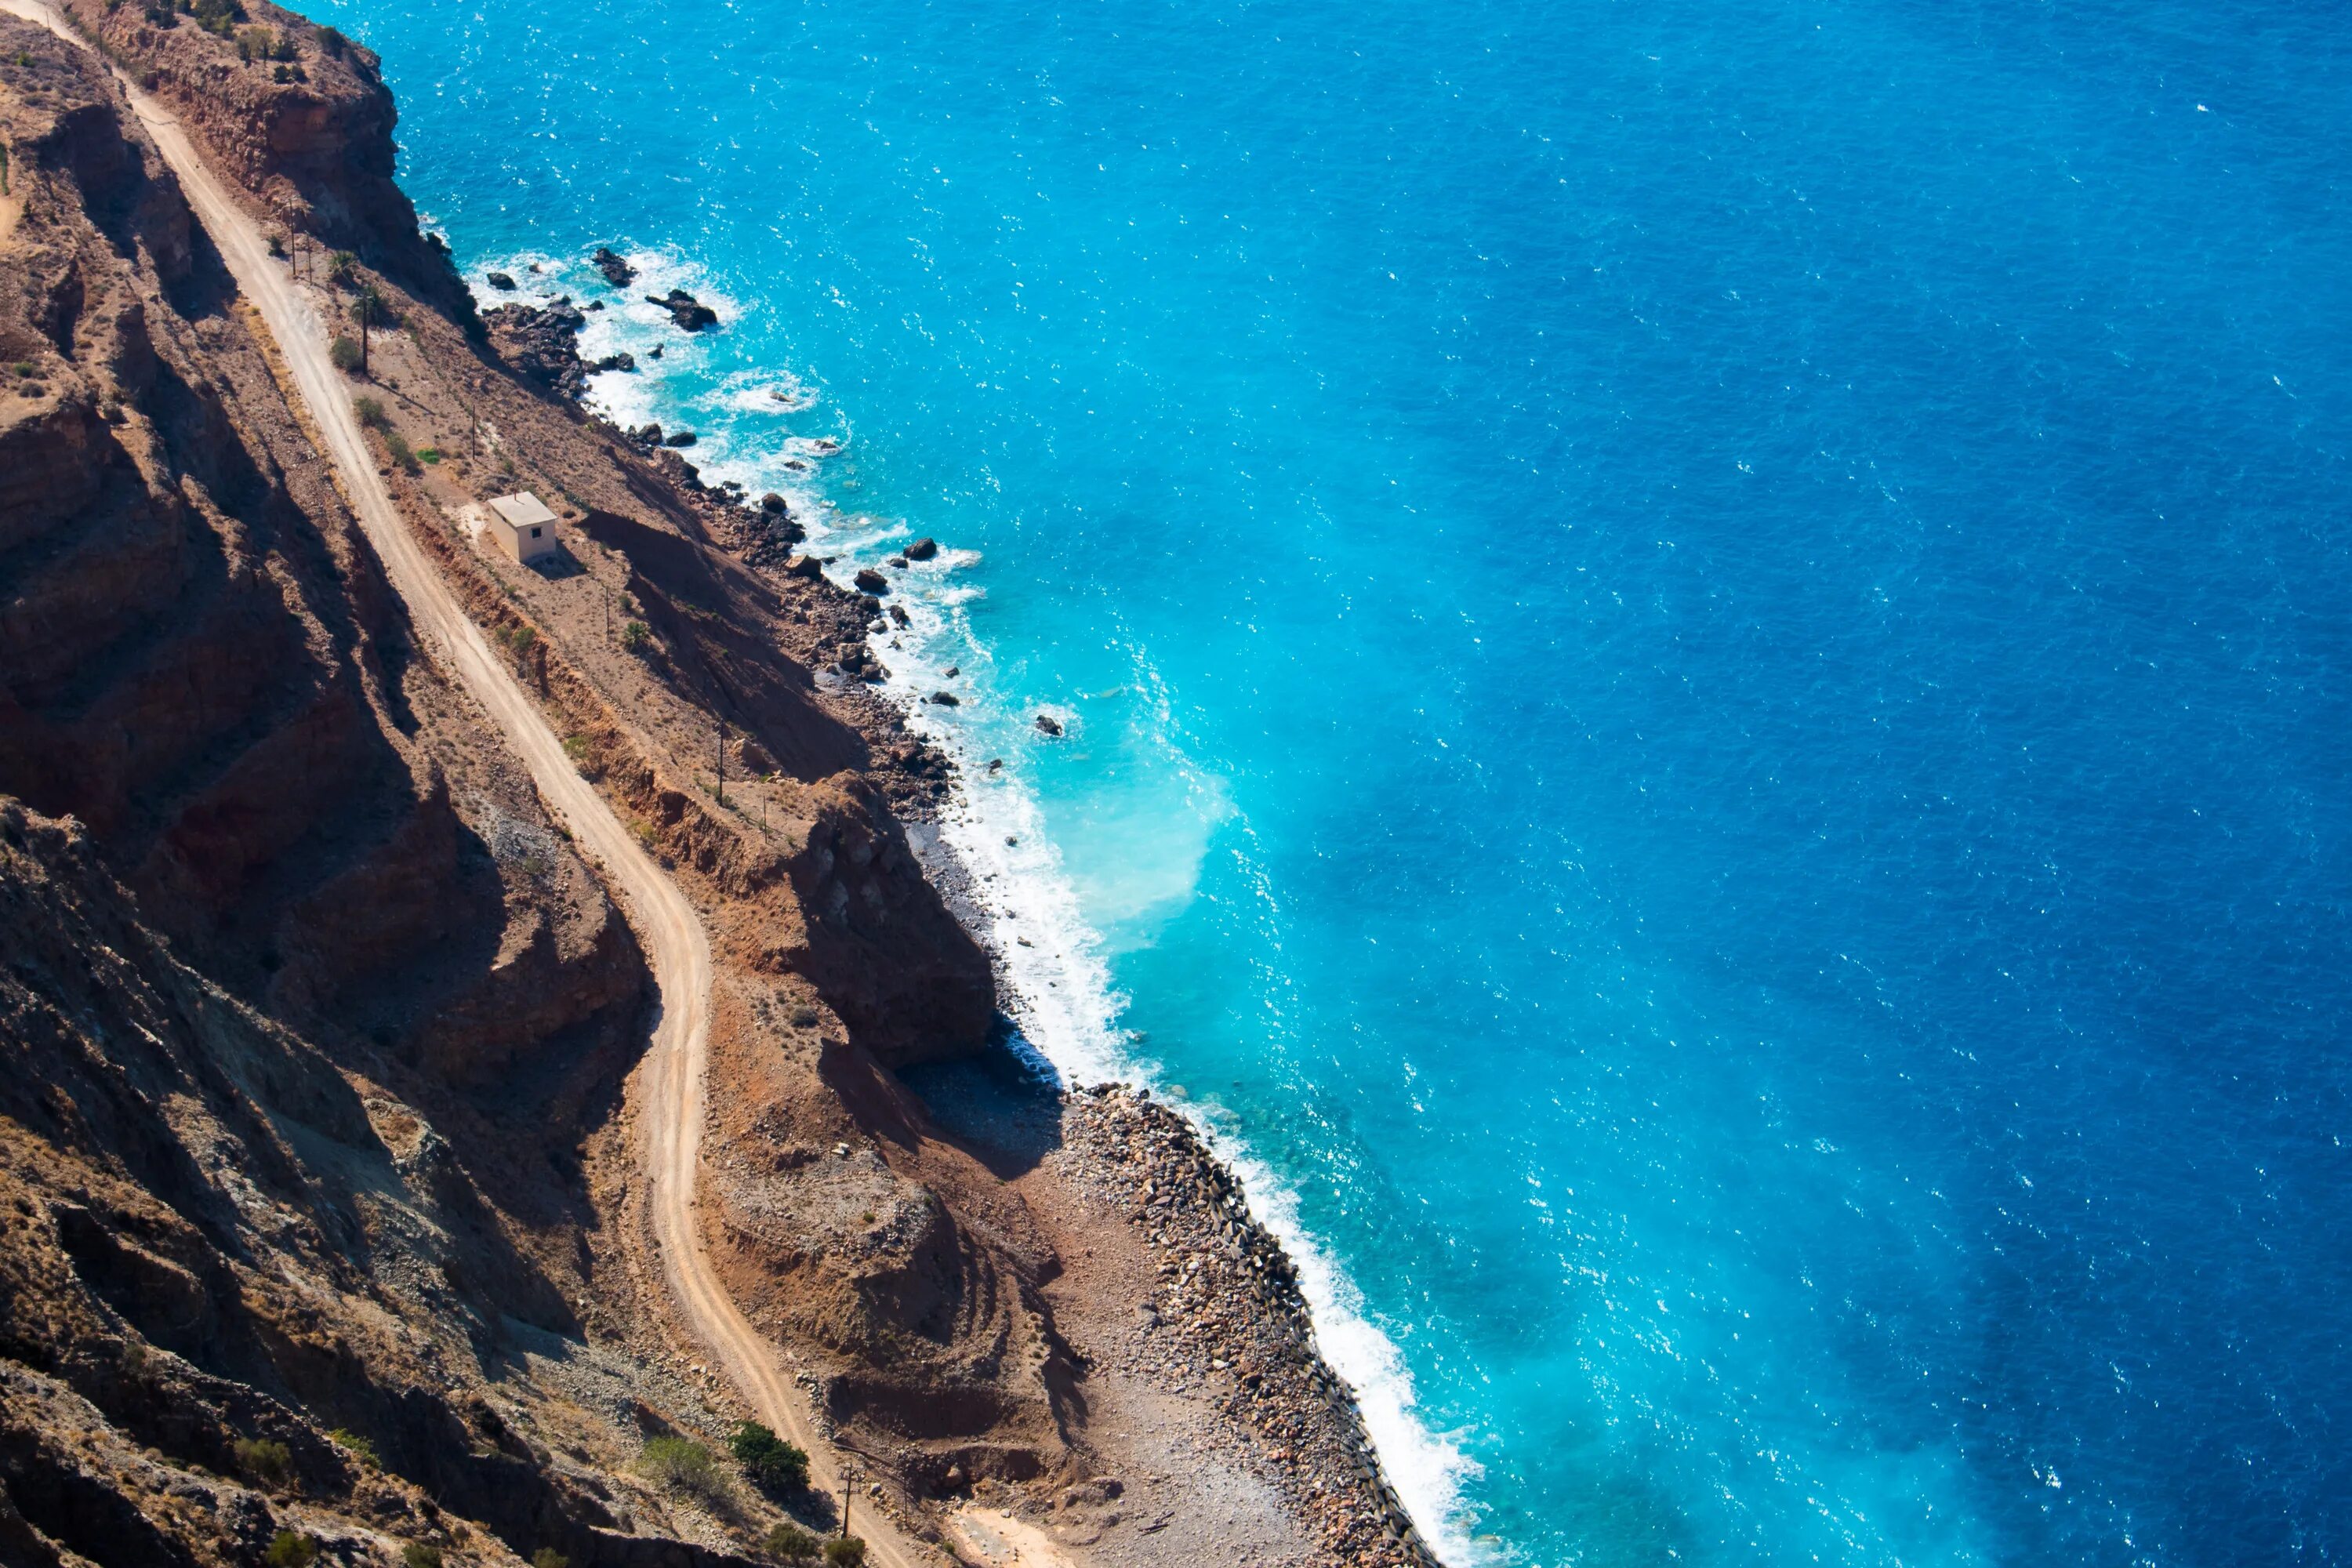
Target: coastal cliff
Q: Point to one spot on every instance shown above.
(325, 1209)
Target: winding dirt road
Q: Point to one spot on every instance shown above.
(665, 923)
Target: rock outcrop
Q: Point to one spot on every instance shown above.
(305, 123)
(541, 342)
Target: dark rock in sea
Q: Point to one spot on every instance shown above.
(690, 313)
(622, 360)
(680, 438)
(1049, 724)
(870, 608)
(923, 549)
(954, 670)
(898, 615)
(896, 563)
(805, 566)
(771, 502)
(502, 280)
(654, 352)
(594, 305)
(535, 269)
(871, 581)
(778, 533)
(947, 699)
(617, 272)
(647, 434)
(540, 342)
(996, 765)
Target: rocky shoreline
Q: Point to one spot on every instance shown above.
(1227, 1315)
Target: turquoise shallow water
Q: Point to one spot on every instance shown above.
(1705, 660)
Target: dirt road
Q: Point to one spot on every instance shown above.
(665, 923)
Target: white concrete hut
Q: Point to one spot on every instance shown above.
(523, 527)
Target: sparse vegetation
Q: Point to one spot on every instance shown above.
(287, 1549)
(416, 1554)
(635, 635)
(343, 354)
(429, 454)
(844, 1551)
(576, 747)
(262, 1458)
(332, 43)
(370, 413)
(517, 641)
(549, 1557)
(789, 1542)
(397, 444)
(263, 44)
(218, 17)
(683, 1465)
(359, 1447)
(341, 267)
(767, 1458)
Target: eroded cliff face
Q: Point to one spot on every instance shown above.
(201, 662)
(307, 1012)
(296, 113)
(318, 1028)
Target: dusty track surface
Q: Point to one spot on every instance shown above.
(667, 924)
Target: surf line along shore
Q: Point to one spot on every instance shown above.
(1193, 1332)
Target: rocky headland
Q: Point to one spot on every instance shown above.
(323, 1206)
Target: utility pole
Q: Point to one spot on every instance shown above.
(722, 762)
(848, 1480)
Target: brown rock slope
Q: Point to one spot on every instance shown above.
(307, 1014)
(294, 112)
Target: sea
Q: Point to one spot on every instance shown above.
(1704, 663)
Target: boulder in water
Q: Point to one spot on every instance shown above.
(502, 282)
(923, 549)
(690, 313)
(617, 272)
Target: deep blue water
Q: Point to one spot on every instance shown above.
(1709, 665)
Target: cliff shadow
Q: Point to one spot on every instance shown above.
(1003, 1107)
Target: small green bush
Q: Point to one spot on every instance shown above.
(343, 354)
(683, 1465)
(789, 1542)
(635, 635)
(370, 413)
(766, 1457)
(549, 1557)
(429, 454)
(844, 1551)
(359, 1447)
(416, 1554)
(339, 267)
(397, 444)
(333, 42)
(287, 1549)
(262, 1458)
